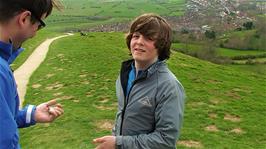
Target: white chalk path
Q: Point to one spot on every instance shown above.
(24, 72)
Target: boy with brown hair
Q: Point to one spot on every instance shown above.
(150, 98)
(19, 21)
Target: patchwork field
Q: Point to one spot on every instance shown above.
(81, 14)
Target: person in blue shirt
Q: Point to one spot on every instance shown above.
(19, 21)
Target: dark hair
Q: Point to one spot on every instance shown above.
(154, 27)
(10, 8)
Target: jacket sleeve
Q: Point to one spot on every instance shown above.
(119, 92)
(8, 125)
(168, 121)
(10, 100)
(25, 117)
(10, 116)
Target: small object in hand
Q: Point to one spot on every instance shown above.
(51, 109)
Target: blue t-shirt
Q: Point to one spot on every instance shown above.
(132, 77)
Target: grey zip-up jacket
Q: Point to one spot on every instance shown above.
(150, 117)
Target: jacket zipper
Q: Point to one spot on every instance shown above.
(125, 106)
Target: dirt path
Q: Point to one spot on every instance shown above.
(23, 73)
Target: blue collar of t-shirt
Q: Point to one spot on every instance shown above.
(132, 76)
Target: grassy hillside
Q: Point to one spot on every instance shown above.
(246, 40)
(84, 13)
(225, 108)
(30, 45)
(245, 60)
(220, 51)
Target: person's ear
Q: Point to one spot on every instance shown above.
(23, 18)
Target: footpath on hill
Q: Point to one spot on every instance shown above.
(24, 72)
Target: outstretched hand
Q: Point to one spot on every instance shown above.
(48, 111)
(106, 142)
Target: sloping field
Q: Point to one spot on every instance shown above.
(81, 14)
(225, 108)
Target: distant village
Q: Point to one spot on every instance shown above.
(202, 15)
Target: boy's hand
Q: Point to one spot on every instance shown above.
(106, 142)
(48, 111)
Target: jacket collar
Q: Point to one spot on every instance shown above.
(126, 66)
(8, 53)
(154, 67)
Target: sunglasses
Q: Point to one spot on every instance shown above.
(42, 24)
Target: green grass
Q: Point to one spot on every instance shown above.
(80, 70)
(231, 52)
(257, 60)
(84, 13)
(246, 39)
(118, 8)
(30, 45)
(257, 68)
(82, 24)
(220, 51)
